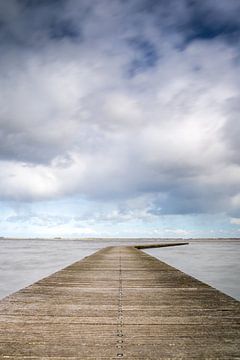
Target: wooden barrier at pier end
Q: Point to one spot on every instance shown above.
(119, 303)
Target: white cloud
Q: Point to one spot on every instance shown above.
(75, 121)
(177, 232)
(235, 221)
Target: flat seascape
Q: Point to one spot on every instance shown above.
(119, 179)
(24, 261)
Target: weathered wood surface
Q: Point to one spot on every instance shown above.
(119, 303)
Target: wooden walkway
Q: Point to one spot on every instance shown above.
(119, 303)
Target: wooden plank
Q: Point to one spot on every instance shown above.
(119, 303)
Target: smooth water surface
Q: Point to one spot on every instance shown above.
(23, 262)
(215, 262)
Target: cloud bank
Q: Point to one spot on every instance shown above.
(114, 101)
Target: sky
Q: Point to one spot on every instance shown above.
(119, 118)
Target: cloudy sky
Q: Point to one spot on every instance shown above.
(120, 118)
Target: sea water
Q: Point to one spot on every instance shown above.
(23, 262)
(215, 262)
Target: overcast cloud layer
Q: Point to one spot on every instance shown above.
(134, 104)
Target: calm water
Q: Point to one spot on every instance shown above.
(216, 263)
(23, 262)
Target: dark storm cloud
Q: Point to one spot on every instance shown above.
(205, 19)
(35, 23)
(146, 55)
(119, 99)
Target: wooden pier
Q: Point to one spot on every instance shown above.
(119, 303)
